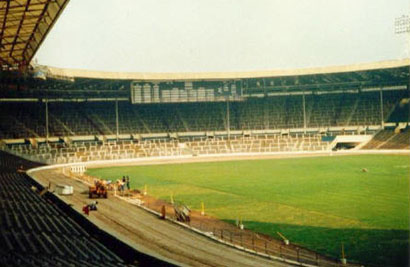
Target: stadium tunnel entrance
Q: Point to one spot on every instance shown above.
(345, 146)
(346, 142)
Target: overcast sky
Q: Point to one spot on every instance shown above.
(223, 35)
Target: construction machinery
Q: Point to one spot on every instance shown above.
(182, 213)
(99, 189)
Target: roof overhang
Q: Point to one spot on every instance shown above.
(78, 73)
(24, 24)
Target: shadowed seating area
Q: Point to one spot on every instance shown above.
(36, 232)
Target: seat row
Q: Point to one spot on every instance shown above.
(36, 232)
(25, 120)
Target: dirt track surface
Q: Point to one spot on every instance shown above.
(148, 234)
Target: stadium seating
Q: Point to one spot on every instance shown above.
(35, 232)
(24, 120)
(388, 139)
(95, 150)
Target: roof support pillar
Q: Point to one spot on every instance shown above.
(47, 130)
(228, 123)
(381, 107)
(116, 119)
(304, 111)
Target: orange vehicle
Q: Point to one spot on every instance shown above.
(99, 189)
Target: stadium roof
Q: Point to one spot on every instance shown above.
(77, 73)
(24, 24)
(49, 82)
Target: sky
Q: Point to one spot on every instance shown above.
(223, 35)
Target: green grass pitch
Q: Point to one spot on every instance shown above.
(317, 202)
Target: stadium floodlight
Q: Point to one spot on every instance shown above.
(402, 24)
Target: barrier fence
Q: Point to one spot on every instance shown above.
(243, 238)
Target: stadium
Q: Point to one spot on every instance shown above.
(293, 167)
